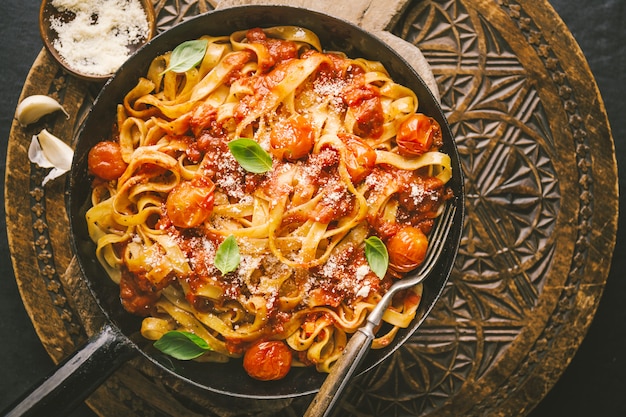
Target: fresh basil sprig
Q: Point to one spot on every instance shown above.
(182, 345)
(187, 55)
(227, 256)
(377, 255)
(250, 155)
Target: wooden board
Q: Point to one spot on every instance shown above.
(537, 152)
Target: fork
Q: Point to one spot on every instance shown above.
(361, 340)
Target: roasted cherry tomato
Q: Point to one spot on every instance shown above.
(418, 134)
(407, 249)
(360, 158)
(105, 160)
(190, 203)
(292, 139)
(267, 360)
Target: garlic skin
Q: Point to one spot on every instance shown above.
(34, 107)
(48, 151)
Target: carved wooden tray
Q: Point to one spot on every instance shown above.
(541, 182)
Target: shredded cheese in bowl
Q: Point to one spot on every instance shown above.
(93, 36)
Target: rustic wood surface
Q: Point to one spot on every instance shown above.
(537, 153)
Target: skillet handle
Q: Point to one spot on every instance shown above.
(76, 377)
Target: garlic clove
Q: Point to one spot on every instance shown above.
(56, 151)
(54, 173)
(48, 151)
(34, 107)
(36, 155)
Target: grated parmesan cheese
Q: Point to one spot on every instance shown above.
(363, 292)
(361, 272)
(96, 41)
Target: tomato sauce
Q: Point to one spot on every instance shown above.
(136, 295)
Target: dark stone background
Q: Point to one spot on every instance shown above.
(594, 384)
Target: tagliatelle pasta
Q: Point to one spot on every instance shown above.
(348, 156)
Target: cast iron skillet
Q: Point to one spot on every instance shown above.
(119, 340)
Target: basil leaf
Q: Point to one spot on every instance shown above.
(377, 256)
(250, 155)
(182, 345)
(187, 55)
(227, 256)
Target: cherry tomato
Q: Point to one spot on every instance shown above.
(360, 158)
(190, 203)
(418, 134)
(407, 249)
(292, 139)
(267, 360)
(105, 160)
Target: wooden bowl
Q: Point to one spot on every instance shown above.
(48, 14)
